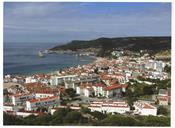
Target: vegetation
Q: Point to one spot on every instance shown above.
(167, 69)
(106, 45)
(70, 92)
(69, 117)
(141, 90)
(162, 110)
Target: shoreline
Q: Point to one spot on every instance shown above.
(90, 60)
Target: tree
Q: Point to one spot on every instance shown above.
(70, 92)
(118, 120)
(98, 115)
(167, 69)
(74, 117)
(156, 121)
(43, 120)
(162, 110)
(85, 110)
(59, 115)
(147, 90)
(12, 120)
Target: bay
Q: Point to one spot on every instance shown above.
(22, 58)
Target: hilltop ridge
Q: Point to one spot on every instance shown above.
(106, 45)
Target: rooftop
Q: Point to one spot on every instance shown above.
(43, 99)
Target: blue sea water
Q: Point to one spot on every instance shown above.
(22, 58)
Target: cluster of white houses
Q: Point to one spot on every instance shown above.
(33, 101)
(103, 78)
(91, 85)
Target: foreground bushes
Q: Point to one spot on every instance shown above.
(70, 117)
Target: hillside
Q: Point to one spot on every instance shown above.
(153, 44)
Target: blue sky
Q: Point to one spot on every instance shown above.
(63, 22)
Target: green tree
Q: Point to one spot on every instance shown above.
(167, 69)
(12, 120)
(162, 110)
(147, 90)
(70, 92)
(156, 121)
(85, 110)
(43, 119)
(59, 115)
(98, 115)
(73, 117)
(118, 120)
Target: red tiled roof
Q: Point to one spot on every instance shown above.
(21, 94)
(99, 84)
(42, 99)
(48, 91)
(112, 87)
(34, 84)
(148, 106)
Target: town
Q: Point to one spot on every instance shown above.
(126, 84)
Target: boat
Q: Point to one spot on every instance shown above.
(40, 54)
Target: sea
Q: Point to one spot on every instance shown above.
(22, 59)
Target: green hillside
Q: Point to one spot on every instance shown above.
(127, 43)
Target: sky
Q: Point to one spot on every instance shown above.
(62, 22)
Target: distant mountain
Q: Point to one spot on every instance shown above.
(106, 45)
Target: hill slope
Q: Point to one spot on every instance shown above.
(128, 43)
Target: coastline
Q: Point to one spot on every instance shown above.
(85, 60)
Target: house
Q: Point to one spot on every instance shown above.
(24, 113)
(79, 90)
(114, 90)
(9, 107)
(85, 89)
(110, 107)
(42, 102)
(88, 91)
(57, 80)
(162, 100)
(30, 80)
(20, 98)
(144, 108)
(71, 84)
(98, 89)
(43, 93)
(164, 96)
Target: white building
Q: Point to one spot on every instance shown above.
(156, 65)
(114, 90)
(27, 113)
(20, 98)
(43, 95)
(163, 100)
(30, 80)
(9, 107)
(98, 89)
(88, 91)
(110, 107)
(144, 108)
(42, 102)
(56, 80)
